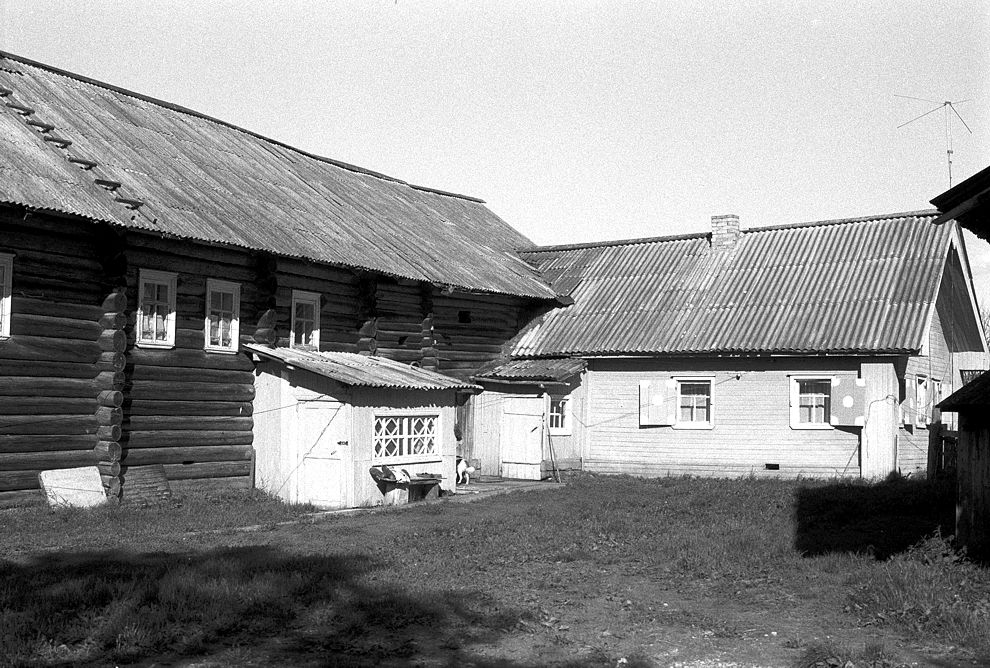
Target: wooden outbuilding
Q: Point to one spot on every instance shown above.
(325, 420)
(969, 204)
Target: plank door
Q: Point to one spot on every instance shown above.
(323, 453)
(522, 437)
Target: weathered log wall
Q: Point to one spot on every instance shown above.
(77, 389)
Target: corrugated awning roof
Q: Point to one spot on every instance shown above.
(185, 174)
(854, 286)
(362, 370)
(554, 370)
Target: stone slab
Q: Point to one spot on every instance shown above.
(79, 487)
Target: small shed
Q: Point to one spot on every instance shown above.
(324, 420)
(972, 403)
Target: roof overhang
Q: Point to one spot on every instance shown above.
(356, 370)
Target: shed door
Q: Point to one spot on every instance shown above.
(323, 452)
(522, 434)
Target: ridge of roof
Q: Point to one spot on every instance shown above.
(703, 235)
(198, 114)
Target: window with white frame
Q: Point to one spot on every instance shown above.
(405, 436)
(559, 416)
(305, 320)
(922, 402)
(223, 303)
(694, 403)
(811, 402)
(6, 280)
(156, 309)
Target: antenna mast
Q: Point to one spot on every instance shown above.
(946, 106)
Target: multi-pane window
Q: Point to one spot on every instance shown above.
(305, 319)
(222, 315)
(6, 273)
(405, 435)
(923, 405)
(558, 416)
(814, 401)
(694, 403)
(156, 309)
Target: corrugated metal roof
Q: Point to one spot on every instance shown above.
(362, 370)
(863, 285)
(536, 370)
(200, 178)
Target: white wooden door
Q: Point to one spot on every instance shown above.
(522, 437)
(323, 453)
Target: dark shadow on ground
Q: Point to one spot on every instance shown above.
(234, 606)
(875, 518)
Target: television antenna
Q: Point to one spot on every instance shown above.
(946, 106)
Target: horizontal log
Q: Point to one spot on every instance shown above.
(19, 480)
(111, 432)
(110, 469)
(37, 425)
(107, 451)
(196, 359)
(110, 398)
(113, 320)
(184, 438)
(188, 374)
(31, 306)
(45, 442)
(191, 391)
(137, 407)
(111, 361)
(41, 461)
(184, 423)
(24, 498)
(36, 368)
(109, 380)
(207, 470)
(112, 340)
(48, 349)
(107, 417)
(186, 455)
(115, 302)
(23, 324)
(45, 406)
(52, 387)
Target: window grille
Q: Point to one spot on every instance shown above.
(403, 435)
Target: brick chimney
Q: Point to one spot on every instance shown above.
(725, 231)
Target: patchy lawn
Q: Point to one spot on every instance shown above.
(656, 572)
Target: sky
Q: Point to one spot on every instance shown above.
(575, 121)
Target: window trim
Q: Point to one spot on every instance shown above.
(170, 279)
(922, 408)
(795, 402)
(304, 297)
(698, 425)
(427, 458)
(6, 293)
(216, 285)
(566, 411)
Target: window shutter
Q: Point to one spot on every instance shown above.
(908, 408)
(655, 405)
(847, 401)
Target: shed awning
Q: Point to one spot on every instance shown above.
(535, 370)
(362, 370)
(974, 394)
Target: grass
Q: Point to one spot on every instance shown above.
(609, 568)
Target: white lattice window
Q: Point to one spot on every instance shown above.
(305, 320)
(6, 272)
(405, 436)
(156, 309)
(223, 303)
(694, 403)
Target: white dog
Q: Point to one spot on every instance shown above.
(464, 472)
